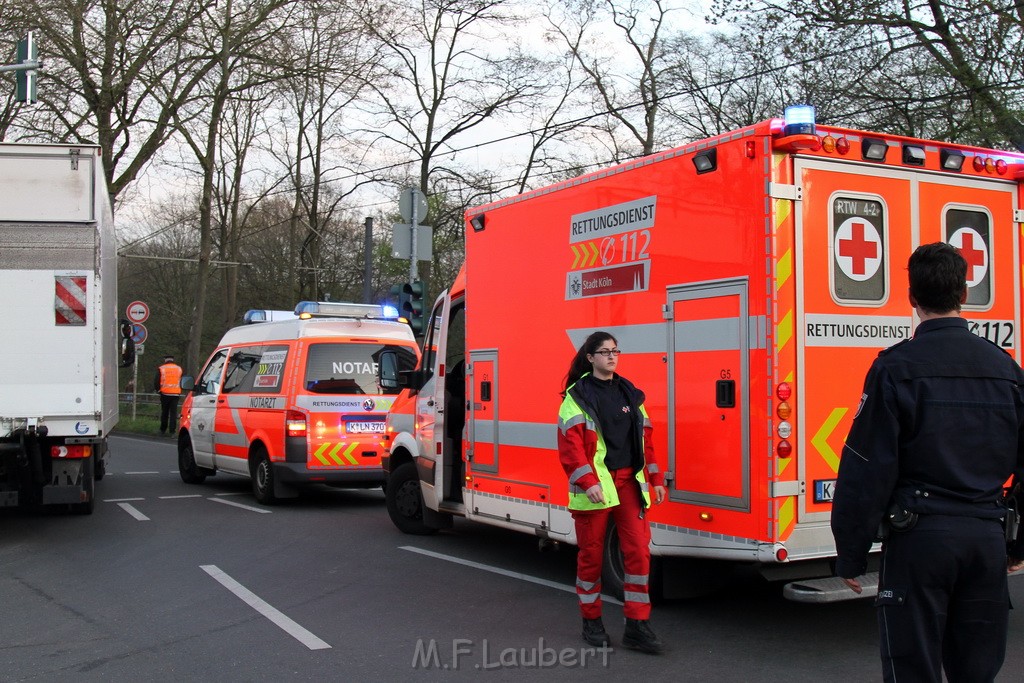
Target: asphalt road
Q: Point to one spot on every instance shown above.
(167, 581)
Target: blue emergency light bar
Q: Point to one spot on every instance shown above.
(798, 120)
(334, 309)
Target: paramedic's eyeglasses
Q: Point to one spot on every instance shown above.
(608, 352)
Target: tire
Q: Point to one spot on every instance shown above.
(613, 568)
(101, 468)
(262, 477)
(89, 486)
(405, 501)
(190, 472)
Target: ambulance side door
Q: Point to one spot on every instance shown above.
(430, 405)
(204, 408)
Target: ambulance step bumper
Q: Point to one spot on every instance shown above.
(830, 589)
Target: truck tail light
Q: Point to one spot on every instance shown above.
(295, 423)
(75, 451)
(784, 410)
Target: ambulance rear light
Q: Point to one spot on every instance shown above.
(783, 391)
(784, 449)
(784, 411)
(295, 423)
(913, 155)
(951, 159)
(872, 149)
(781, 554)
(69, 452)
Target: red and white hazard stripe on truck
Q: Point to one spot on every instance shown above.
(69, 299)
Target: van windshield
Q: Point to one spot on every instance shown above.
(351, 368)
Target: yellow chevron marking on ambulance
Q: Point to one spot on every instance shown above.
(784, 331)
(319, 454)
(786, 516)
(575, 256)
(820, 440)
(348, 454)
(783, 207)
(783, 269)
(334, 454)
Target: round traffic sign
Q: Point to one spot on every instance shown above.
(139, 333)
(137, 312)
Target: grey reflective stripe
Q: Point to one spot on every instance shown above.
(565, 425)
(653, 468)
(576, 489)
(643, 486)
(636, 579)
(586, 585)
(632, 596)
(647, 422)
(589, 598)
(580, 471)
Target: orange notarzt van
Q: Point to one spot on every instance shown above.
(295, 402)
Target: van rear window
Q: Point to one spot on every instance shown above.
(350, 368)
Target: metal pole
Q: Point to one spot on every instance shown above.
(135, 385)
(367, 259)
(413, 251)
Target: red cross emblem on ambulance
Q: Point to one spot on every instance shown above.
(858, 249)
(973, 248)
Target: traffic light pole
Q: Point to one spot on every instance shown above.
(414, 253)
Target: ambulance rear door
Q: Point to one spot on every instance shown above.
(855, 229)
(430, 405)
(976, 215)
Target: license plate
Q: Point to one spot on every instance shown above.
(364, 427)
(824, 490)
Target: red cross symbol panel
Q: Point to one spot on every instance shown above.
(974, 250)
(969, 230)
(858, 250)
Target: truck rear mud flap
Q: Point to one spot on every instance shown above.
(830, 589)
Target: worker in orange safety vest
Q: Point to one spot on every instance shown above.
(168, 385)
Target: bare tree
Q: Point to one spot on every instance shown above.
(975, 43)
(627, 91)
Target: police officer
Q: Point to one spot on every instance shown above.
(168, 385)
(937, 434)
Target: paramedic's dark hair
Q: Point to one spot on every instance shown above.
(938, 277)
(580, 365)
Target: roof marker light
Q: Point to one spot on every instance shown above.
(978, 163)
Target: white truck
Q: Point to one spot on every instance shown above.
(61, 342)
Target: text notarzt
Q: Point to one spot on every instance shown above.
(471, 654)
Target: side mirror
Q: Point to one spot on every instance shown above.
(187, 383)
(387, 371)
(127, 345)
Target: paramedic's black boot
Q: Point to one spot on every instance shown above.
(594, 633)
(639, 636)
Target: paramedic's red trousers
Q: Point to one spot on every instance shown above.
(635, 540)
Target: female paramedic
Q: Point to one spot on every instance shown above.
(604, 444)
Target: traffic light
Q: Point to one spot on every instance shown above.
(412, 305)
(399, 297)
(25, 79)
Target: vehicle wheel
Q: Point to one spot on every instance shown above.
(89, 486)
(101, 467)
(613, 568)
(263, 478)
(405, 501)
(187, 468)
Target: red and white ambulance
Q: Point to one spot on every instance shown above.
(295, 402)
(750, 279)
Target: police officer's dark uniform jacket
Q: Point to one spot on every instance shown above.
(937, 433)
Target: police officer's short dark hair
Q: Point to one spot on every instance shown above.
(938, 277)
